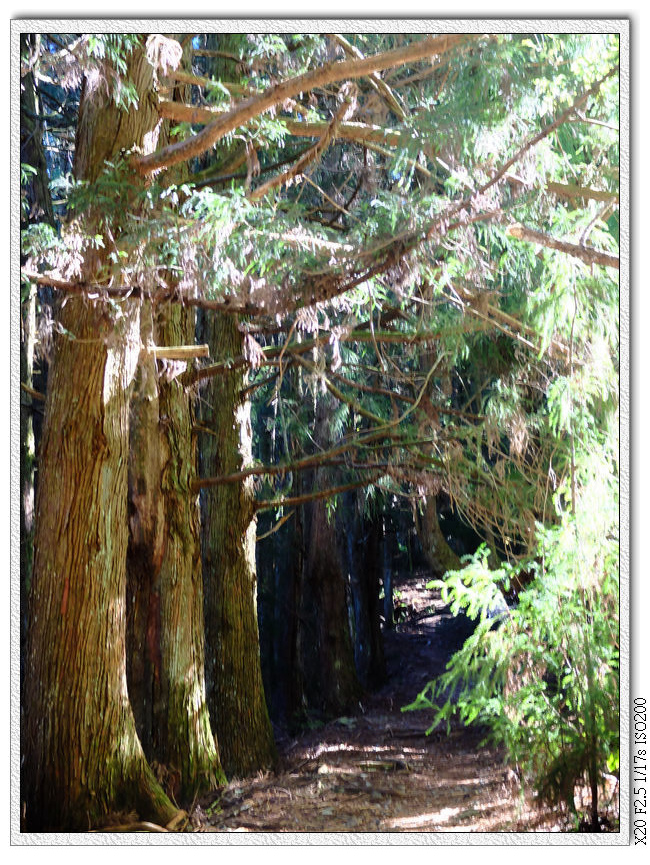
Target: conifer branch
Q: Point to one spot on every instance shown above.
(292, 501)
(254, 106)
(344, 113)
(584, 253)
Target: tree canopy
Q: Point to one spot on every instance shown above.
(415, 235)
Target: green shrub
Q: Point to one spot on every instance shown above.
(545, 678)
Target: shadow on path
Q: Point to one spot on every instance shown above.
(378, 771)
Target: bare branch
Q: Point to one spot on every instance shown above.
(359, 132)
(291, 501)
(572, 190)
(307, 462)
(178, 352)
(199, 81)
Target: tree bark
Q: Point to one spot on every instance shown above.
(146, 548)
(364, 547)
(235, 690)
(82, 756)
(330, 679)
(334, 685)
(188, 749)
(439, 555)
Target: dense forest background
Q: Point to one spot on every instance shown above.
(297, 310)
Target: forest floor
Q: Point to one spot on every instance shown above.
(377, 770)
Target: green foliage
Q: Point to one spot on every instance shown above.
(40, 241)
(110, 52)
(546, 680)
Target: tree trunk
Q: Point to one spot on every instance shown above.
(147, 539)
(334, 687)
(330, 677)
(364, 547)
(439, 555)
(188, 748)
(235, 690)
(82, 756)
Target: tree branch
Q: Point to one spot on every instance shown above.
(307, 462)
(345, 111)
(317, 494)
(375, 81)
(584, 253)
(199, 81)
(252, 107)
(178, 352)
(359, 132)
(572, 190)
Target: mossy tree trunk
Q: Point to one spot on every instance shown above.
(235, 690)
(82, 755)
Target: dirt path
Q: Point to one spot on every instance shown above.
(377, 771)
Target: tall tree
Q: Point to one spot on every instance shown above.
(82, 754)
(404, 223)
(168, 680)
(235, 693)
(235, 689)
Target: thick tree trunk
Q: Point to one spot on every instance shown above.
(235, 690)
(82, 756)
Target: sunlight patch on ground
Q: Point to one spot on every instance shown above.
(340, 746)
(418, 821)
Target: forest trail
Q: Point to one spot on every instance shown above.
(377, 770)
